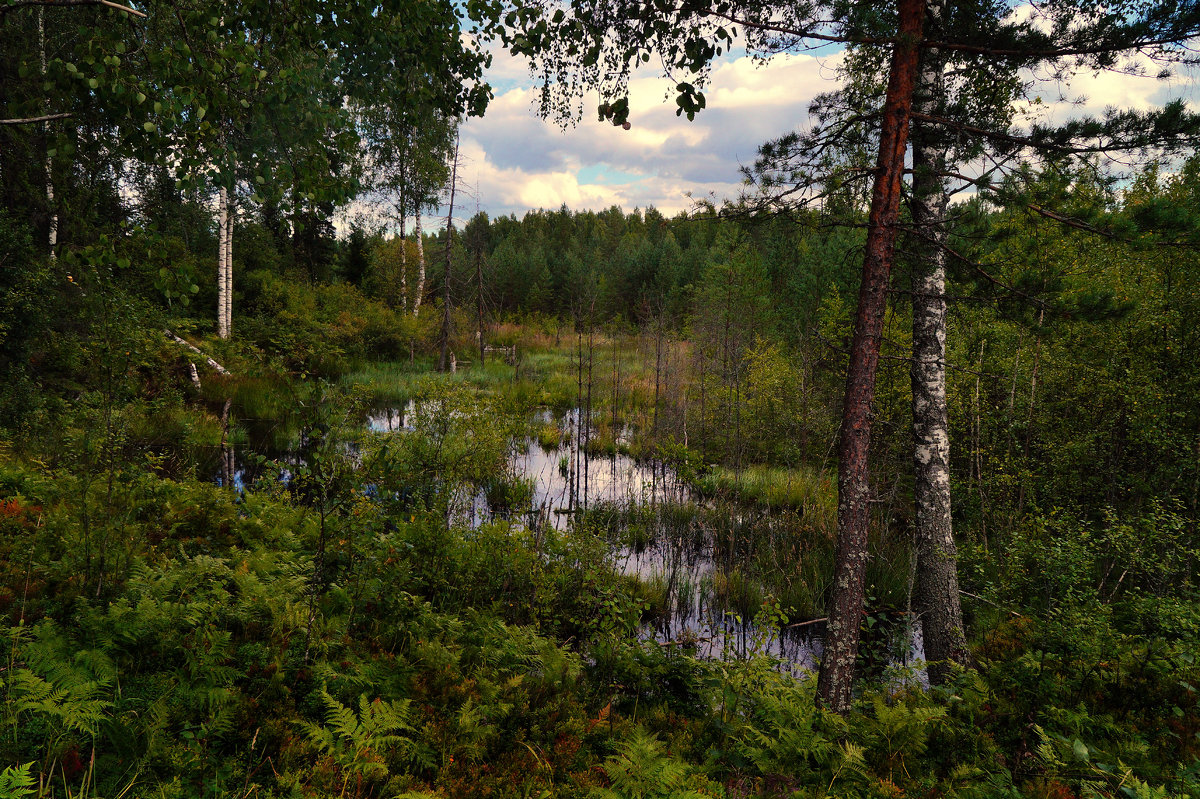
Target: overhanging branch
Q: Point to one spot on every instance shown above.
(34, 120)
(66, 3)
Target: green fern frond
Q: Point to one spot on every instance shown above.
(77, 707)
(854, 756)
(356, 740)
(642, 770)
(16, 782)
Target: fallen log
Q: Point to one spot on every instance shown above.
(216, 366)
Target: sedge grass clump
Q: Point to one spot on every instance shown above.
(600, 444)
(802, 596)
(390, 383)
(737, 592)
(654, 593)
(678, 520)
(507, 493)
(685, 596)
(773, 486)
(549, 436)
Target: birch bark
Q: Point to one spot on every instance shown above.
(222, 244)
(447, 356)
(937, 564)
(420, 265)
(403, 267)
(52, 236)
(228, 274)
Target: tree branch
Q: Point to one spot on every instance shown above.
(1036, 302)
(1065, 148)
(32, 120)
(64, 3)
(1063, 52)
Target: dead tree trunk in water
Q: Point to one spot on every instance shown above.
(616, 386)
(937, 561)
(588, 403)
(228, 464)
(836, 676)
(578, 434)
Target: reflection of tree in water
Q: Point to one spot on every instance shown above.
(705, 567)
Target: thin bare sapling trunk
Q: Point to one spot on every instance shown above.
(446, 356)
(52, 235)
(479, 302)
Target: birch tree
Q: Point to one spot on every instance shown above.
(447, 274)
(598, 47)
(964, 111)
(262, 96)
(600, 51)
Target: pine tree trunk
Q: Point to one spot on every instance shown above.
(937, 565)
(836, 677)
(222, 243)
(420, 265)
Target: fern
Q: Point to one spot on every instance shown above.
(784, 735)
(75, 706)
(900, 729)
(357, 741)
(853, 764)
(16, 782)
(641, 770)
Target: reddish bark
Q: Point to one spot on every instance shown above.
(846, 602)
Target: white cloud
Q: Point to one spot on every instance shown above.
(520, 161)
(1134, 87)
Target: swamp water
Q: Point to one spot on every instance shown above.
(695, 561)
(692, 559)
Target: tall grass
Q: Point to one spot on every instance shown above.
(398, 381)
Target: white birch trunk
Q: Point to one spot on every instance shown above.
(403, 268)
(228, 310)
(937, 570)
(222, 244)
(216, 366)
(446, 275)
(52, 237)
(420, 266)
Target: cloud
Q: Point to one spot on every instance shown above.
(1134, 87)
(519, 161)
